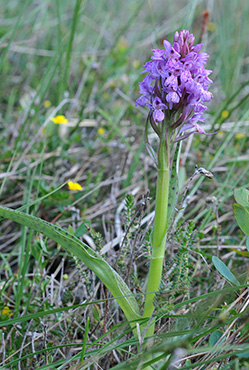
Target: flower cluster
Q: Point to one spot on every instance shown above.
(177, 85)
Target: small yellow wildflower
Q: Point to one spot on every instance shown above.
(136, 63)
(101, 131)
(74, 185)
(43, 131)
(59, 120)
(6, 311)
(47, 104)
(224, 114)
(240, 135)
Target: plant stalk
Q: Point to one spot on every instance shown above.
(160, 228)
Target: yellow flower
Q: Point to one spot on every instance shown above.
(47, 104)
(43, 131)
(59, 120)
(136, 63)
(6, 311)
(224, 114)
(240, 135)
(101, 131)
(74, 185)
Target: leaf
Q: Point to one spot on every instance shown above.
(214, 337)
(81, 230)
(242, 253)
(224, 270)
(241, 196)
(243, 354)
(70, 229)
(242, 217)
(247, 243)
(92, 259)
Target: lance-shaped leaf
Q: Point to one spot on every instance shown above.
(97, 264)
(241, 196)
(242, 217)
(224, 270)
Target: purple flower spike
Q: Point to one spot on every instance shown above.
(176, 85)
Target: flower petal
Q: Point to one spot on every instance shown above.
(74, 185)
(158, 115)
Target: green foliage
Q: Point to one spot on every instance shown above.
(82, 229)
(241, 210)
(134, 238)
(98, 265)
(242, 197)
(178, 272)
(129, 207)
(224, 270)
(181, 276)
(215, 337)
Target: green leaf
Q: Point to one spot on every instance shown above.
(224, 270)
(247, 243)
(70, 229)
(243, 354)
(92, 259)
(241, 196)
(214, 337)
(81, 230)
(242, 217)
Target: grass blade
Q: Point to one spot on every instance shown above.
(73, 245)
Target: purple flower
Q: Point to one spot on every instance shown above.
(176, 85)
(172, 97)
(192, 124)
(158, 107)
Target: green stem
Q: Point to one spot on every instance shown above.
(160, 229)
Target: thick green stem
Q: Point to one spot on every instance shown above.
(160, 230)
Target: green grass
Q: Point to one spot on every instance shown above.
(85, 57)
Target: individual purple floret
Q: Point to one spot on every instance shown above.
(176, 86)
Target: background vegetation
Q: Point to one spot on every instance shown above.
(82, 59)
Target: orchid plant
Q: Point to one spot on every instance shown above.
(174, 90)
